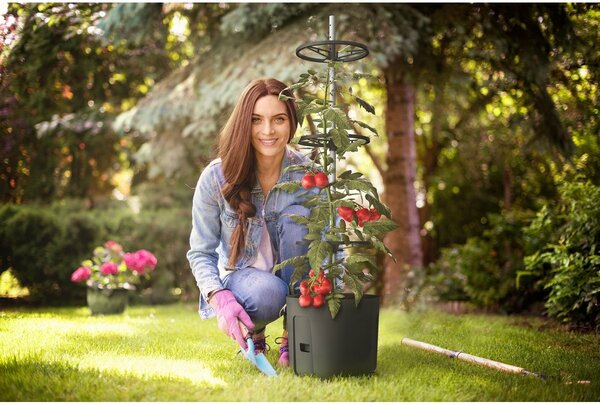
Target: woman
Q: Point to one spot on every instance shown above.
(239, 230)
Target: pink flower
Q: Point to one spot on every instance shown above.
(109, 268)
(81, 274)
(133, 262)
(140, 261)
(114, 246)
(148, 258)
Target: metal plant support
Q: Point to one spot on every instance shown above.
(332, 50)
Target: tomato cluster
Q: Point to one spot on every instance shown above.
(319, 179)
(362, 214)
(313, 294)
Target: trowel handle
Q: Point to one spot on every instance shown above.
(245, 332)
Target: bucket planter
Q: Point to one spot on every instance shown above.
(107, 301)
(325, 347)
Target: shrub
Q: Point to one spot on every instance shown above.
(483, 270)
(568, 264)
(43, 245)
(34, 244)
(166, 233)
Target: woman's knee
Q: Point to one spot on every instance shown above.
(261, 293)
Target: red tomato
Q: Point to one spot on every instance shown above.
(311, 273)
(363, 216)
(318, 301)
(308, 181)
(375, 215)
(305, 301)
(324, 288)
(346, 213)
(321, 180)
(304, 290)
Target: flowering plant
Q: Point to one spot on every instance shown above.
(111, 267)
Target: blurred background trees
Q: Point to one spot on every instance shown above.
(488, 155)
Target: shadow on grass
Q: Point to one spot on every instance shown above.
(45, 381)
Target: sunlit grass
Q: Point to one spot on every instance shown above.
(168, 354)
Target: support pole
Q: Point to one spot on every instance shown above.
(469, 358)
(332, 90)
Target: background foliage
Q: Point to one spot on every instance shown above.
(110, 111)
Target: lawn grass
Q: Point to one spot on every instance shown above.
(166, 353)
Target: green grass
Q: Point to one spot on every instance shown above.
(167, 353)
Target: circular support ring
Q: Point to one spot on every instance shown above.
(318, 140)
(323, 51)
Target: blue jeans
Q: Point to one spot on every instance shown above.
(262, 293)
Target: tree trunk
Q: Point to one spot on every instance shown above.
(405, 241)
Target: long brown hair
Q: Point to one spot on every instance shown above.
(237, 155)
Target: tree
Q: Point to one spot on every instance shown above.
(60, 72)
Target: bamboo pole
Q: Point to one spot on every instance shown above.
(469, 358)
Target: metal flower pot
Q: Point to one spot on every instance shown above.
(346, 345)
(105, 301)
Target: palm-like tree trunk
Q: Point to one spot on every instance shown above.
(398, 180)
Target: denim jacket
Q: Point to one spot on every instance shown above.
(213, 221)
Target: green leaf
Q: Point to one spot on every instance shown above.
(299, 271)
(359, 234)
(299, 219)
(360, 184)
(379, 206)
(343, 203)
(368, 107)
(334, 305)
(340, 138)
(345, 175)
(297, 168)
(338, 117)
(299, 85)
(294, 261)
(358, 258)
(380, 227)
(289, 186)
(319, 214)
(313, 108)
(352, 282)
(366, 126)
(313, 236)
(318, 251)
(379, 245)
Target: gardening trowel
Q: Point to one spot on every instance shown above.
(259, 360)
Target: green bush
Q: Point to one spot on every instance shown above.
(568, 263)
(36, 254)
(44, 245)
(165, 232)
(483, 270)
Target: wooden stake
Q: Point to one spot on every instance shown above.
(469, 358)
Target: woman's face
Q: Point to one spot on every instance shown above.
(270, 127)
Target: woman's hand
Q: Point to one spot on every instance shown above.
(229, 311)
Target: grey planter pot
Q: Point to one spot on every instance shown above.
(105, 302)
(324, 347)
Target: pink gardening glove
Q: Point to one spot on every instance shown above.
(229, 311)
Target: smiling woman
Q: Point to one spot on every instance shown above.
(240, 229)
